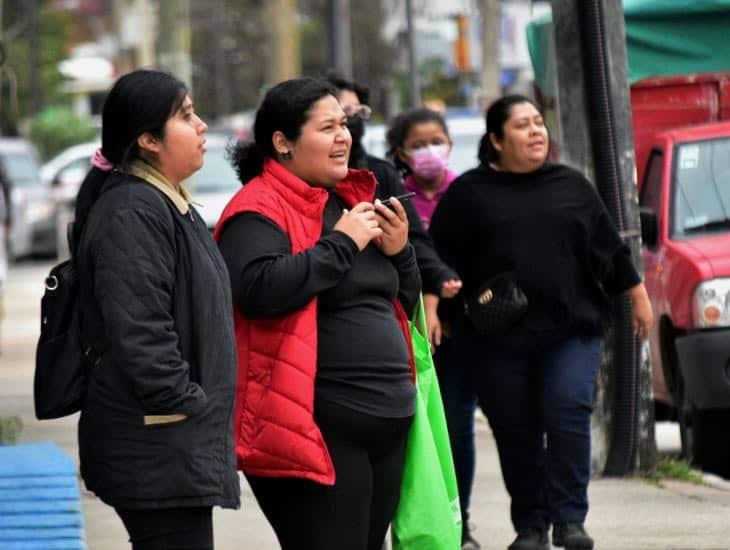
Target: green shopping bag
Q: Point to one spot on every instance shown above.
(428, 515)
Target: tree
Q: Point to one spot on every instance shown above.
(372, 56)
(229, 55)
(53, 35)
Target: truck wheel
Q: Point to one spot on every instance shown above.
(711, 442)
(675, 385)
(685, 420)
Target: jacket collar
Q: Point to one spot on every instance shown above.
(179, 196)
(358, 186)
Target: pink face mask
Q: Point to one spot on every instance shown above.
(429, 162)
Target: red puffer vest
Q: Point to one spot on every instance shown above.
(276, 435)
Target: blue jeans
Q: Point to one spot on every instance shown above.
(460, 401)
(538, 403)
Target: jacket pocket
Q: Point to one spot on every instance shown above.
(156, 419)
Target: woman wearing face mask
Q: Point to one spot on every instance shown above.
(419, 144)
(324, 281)
(544, 226)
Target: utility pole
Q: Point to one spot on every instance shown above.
(34, 58)
(9, 116)
(173, 39)
(491, 88)
(596, 137)
(339, 37)
(223, 104)
(146, 45)
(285, 57)
(415, 85)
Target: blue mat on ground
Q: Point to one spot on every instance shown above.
(39, 499)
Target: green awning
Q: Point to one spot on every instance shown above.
(663, 37)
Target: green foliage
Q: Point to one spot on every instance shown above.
(55, 31)
(57, 128)
(435, 84)
(10, 427)
(680, 470)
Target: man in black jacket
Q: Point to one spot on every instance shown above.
(438, 278)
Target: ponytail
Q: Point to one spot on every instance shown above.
(247, 159)
(487, 153)
(88, 193)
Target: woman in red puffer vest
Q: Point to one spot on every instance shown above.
(323, 281)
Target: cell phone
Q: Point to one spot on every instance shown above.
(401, 198)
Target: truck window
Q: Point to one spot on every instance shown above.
(701, 188)
(651, 192)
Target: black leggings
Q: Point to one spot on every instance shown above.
(367, 452)
(169, 528)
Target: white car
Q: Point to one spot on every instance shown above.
(465, 132)
(212, 186)
(33, 210)
(216, 182)
(65, 172)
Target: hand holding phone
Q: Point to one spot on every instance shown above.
(401, 198)
(393, 221)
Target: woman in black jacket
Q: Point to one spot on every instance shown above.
(155, 433)
(543, 226)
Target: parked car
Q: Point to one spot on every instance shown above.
(212, 186)
(65, 172)
(216, 182)
(685, 218)
(31, 202)
(465, 132)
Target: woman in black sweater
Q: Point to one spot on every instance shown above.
(545, 226)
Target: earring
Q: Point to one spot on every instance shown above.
(286, 155)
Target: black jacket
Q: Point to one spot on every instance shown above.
(434, 272)
(155, 282)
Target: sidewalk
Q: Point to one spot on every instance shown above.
(626, 514)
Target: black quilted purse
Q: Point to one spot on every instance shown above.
(497, 305)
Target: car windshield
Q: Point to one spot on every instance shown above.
(21, 168)
(216, 176)
(701, 197)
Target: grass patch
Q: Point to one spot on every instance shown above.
(10, 427)
(670, 468)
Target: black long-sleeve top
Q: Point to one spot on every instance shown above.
(362, 355)
(551, 229)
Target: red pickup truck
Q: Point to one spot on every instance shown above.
(684, 194)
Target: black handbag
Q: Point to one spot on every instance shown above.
(497, 305)
(61, 361)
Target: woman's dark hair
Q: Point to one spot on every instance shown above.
(140, 101)
(402, 124)
(285, 108)
(341, 83)
(497, 114)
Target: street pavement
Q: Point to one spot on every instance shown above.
(626, 514)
